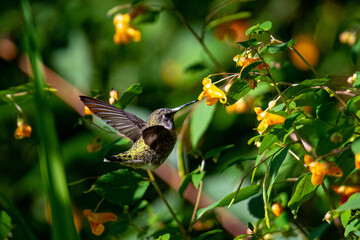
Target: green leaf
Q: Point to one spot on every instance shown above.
(165, 236)
(353, 226)
(305, 86)
(259, 28)
(25, 88)
(184, 183)
(303, 190)
(270, 180)
(249, 43)
(355, 146)
(290, 120)
(353, 105)
(129, 94)
(243, 194)
(121, 187)
(281, 47)
(245, 71)
(147, 16)
(237, 90)
(266, 26)
(228, 18)
(200, 121)
(276, 134)
(216, 151)
(356, 83)
(345, 217)
(5, 225)
(351, 204)
(196, 178)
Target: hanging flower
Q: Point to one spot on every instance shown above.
(277, 209)
(267, 119)
(244, 62)
(357, 161)
(96, 220)
(23, 130)
(212, 93)
(124, 33)
(345, 191)
(320, 169)
(114, 96)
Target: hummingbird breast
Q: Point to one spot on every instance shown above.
(149, 154)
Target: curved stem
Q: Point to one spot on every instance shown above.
(199, 38)
(198, 197)
(161, 195)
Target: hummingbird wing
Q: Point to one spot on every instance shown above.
(156, 136)
(126, 123)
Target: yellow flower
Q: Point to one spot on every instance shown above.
(212, 93)
(267, 119)
(96, 220)
(244, 62)
(124, 33)
(23, 130)
(320, 169)
(357, 161)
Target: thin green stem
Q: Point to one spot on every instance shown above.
(337, 221)
(161, 195)
(299, 55)
(197, 198)
(199, 38)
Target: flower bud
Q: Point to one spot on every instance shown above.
(277, 209)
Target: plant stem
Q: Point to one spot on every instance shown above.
(337, 221)
(161, 195)
(200, 39)
(198, 197)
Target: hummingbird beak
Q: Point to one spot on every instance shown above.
(174, 110)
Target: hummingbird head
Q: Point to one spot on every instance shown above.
(165, 116)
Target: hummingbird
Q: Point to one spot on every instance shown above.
(153, 139)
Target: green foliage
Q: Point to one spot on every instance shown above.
(5, 225)
(129, 94)
(129, 192)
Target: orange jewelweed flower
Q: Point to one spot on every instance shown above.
(345, 191)
(124, 33)
(114, 96)
(212, 93)
(23, 130)
(267, 119)
(96, 220)
(357, 161)
(277, 209)
(320, 169)
(244, 62)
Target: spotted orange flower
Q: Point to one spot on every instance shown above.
(267, 119)
(345, 191)
(124, 33)
(244, 62)
(357, 161)
(277, 209)
(23, 130)
(320, 169)
(96, 220)
(212, 93)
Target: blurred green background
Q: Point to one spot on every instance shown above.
(76, 41)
